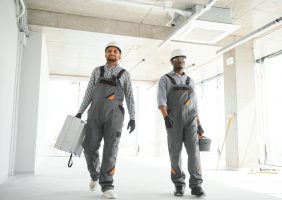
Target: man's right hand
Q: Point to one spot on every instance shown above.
(168, 122)
(78, 115)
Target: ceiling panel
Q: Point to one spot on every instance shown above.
(274, 6)
(242, 7)
(77, 53)
(254, 20)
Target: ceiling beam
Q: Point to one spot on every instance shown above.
(186, 13)
(93, 24)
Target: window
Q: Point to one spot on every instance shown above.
(269, 96)
(211, 111)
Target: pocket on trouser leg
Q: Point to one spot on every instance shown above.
(173, 171)
(112, 171)
(121, 108)
(118, 134)
(118, 119)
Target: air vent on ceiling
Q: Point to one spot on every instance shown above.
(206, 32)
(212, 26)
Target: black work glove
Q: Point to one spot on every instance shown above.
(131, 125)
(78, 115)
(200, 130)
(168, 122)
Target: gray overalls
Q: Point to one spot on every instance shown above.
(105, 120)
(181, 106)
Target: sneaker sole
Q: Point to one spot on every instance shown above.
(114, 197)
(198, 197)
(178, 195)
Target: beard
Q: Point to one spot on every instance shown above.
(178, 67)
(112, 59)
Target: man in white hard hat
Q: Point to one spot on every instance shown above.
(177, 102)
(106, 89)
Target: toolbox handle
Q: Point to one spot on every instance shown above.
(70, 161)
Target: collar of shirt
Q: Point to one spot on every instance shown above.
(174, 73)
(108, 67)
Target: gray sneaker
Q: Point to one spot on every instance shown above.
(198, 191)
(179, 190)
(93, 185)
(110, 194)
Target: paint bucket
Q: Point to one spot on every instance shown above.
(204, 143)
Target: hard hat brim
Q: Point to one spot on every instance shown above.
(177, 56)
(112, 46)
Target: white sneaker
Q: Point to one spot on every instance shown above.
(93, 185)
(110, 194)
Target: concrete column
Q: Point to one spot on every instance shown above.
(28, 105)
(242, 142)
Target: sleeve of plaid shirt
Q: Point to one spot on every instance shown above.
(128, 92)
(162, 92)
(88, 93)
(192, 84)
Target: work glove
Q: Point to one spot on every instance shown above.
(200, 130)
(78, 115)
(168, 122)
(131, 125)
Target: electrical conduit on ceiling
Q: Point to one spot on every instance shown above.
(246, 38)
(21, 3)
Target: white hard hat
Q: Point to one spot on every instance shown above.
(177, 53)
(113, 44)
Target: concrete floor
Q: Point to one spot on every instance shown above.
(136, 178)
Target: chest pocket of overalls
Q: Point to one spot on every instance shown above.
(185, 93)
(182, 92)
(112, 87)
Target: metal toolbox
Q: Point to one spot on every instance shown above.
(71, 136)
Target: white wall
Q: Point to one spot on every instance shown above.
(8, 54)
(43, 137)
(268, 44)
(28, 105)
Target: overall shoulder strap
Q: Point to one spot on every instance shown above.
(120, 73)
(171, 79)
(102, 71)
(188, 80)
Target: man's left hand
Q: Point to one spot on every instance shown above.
(131, 125)
(200, 130)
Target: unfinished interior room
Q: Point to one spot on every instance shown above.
(140, 99)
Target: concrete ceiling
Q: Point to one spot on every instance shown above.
(76, 53)
(139, 28)
(114, 9)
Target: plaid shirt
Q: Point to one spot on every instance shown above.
(125, 81)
